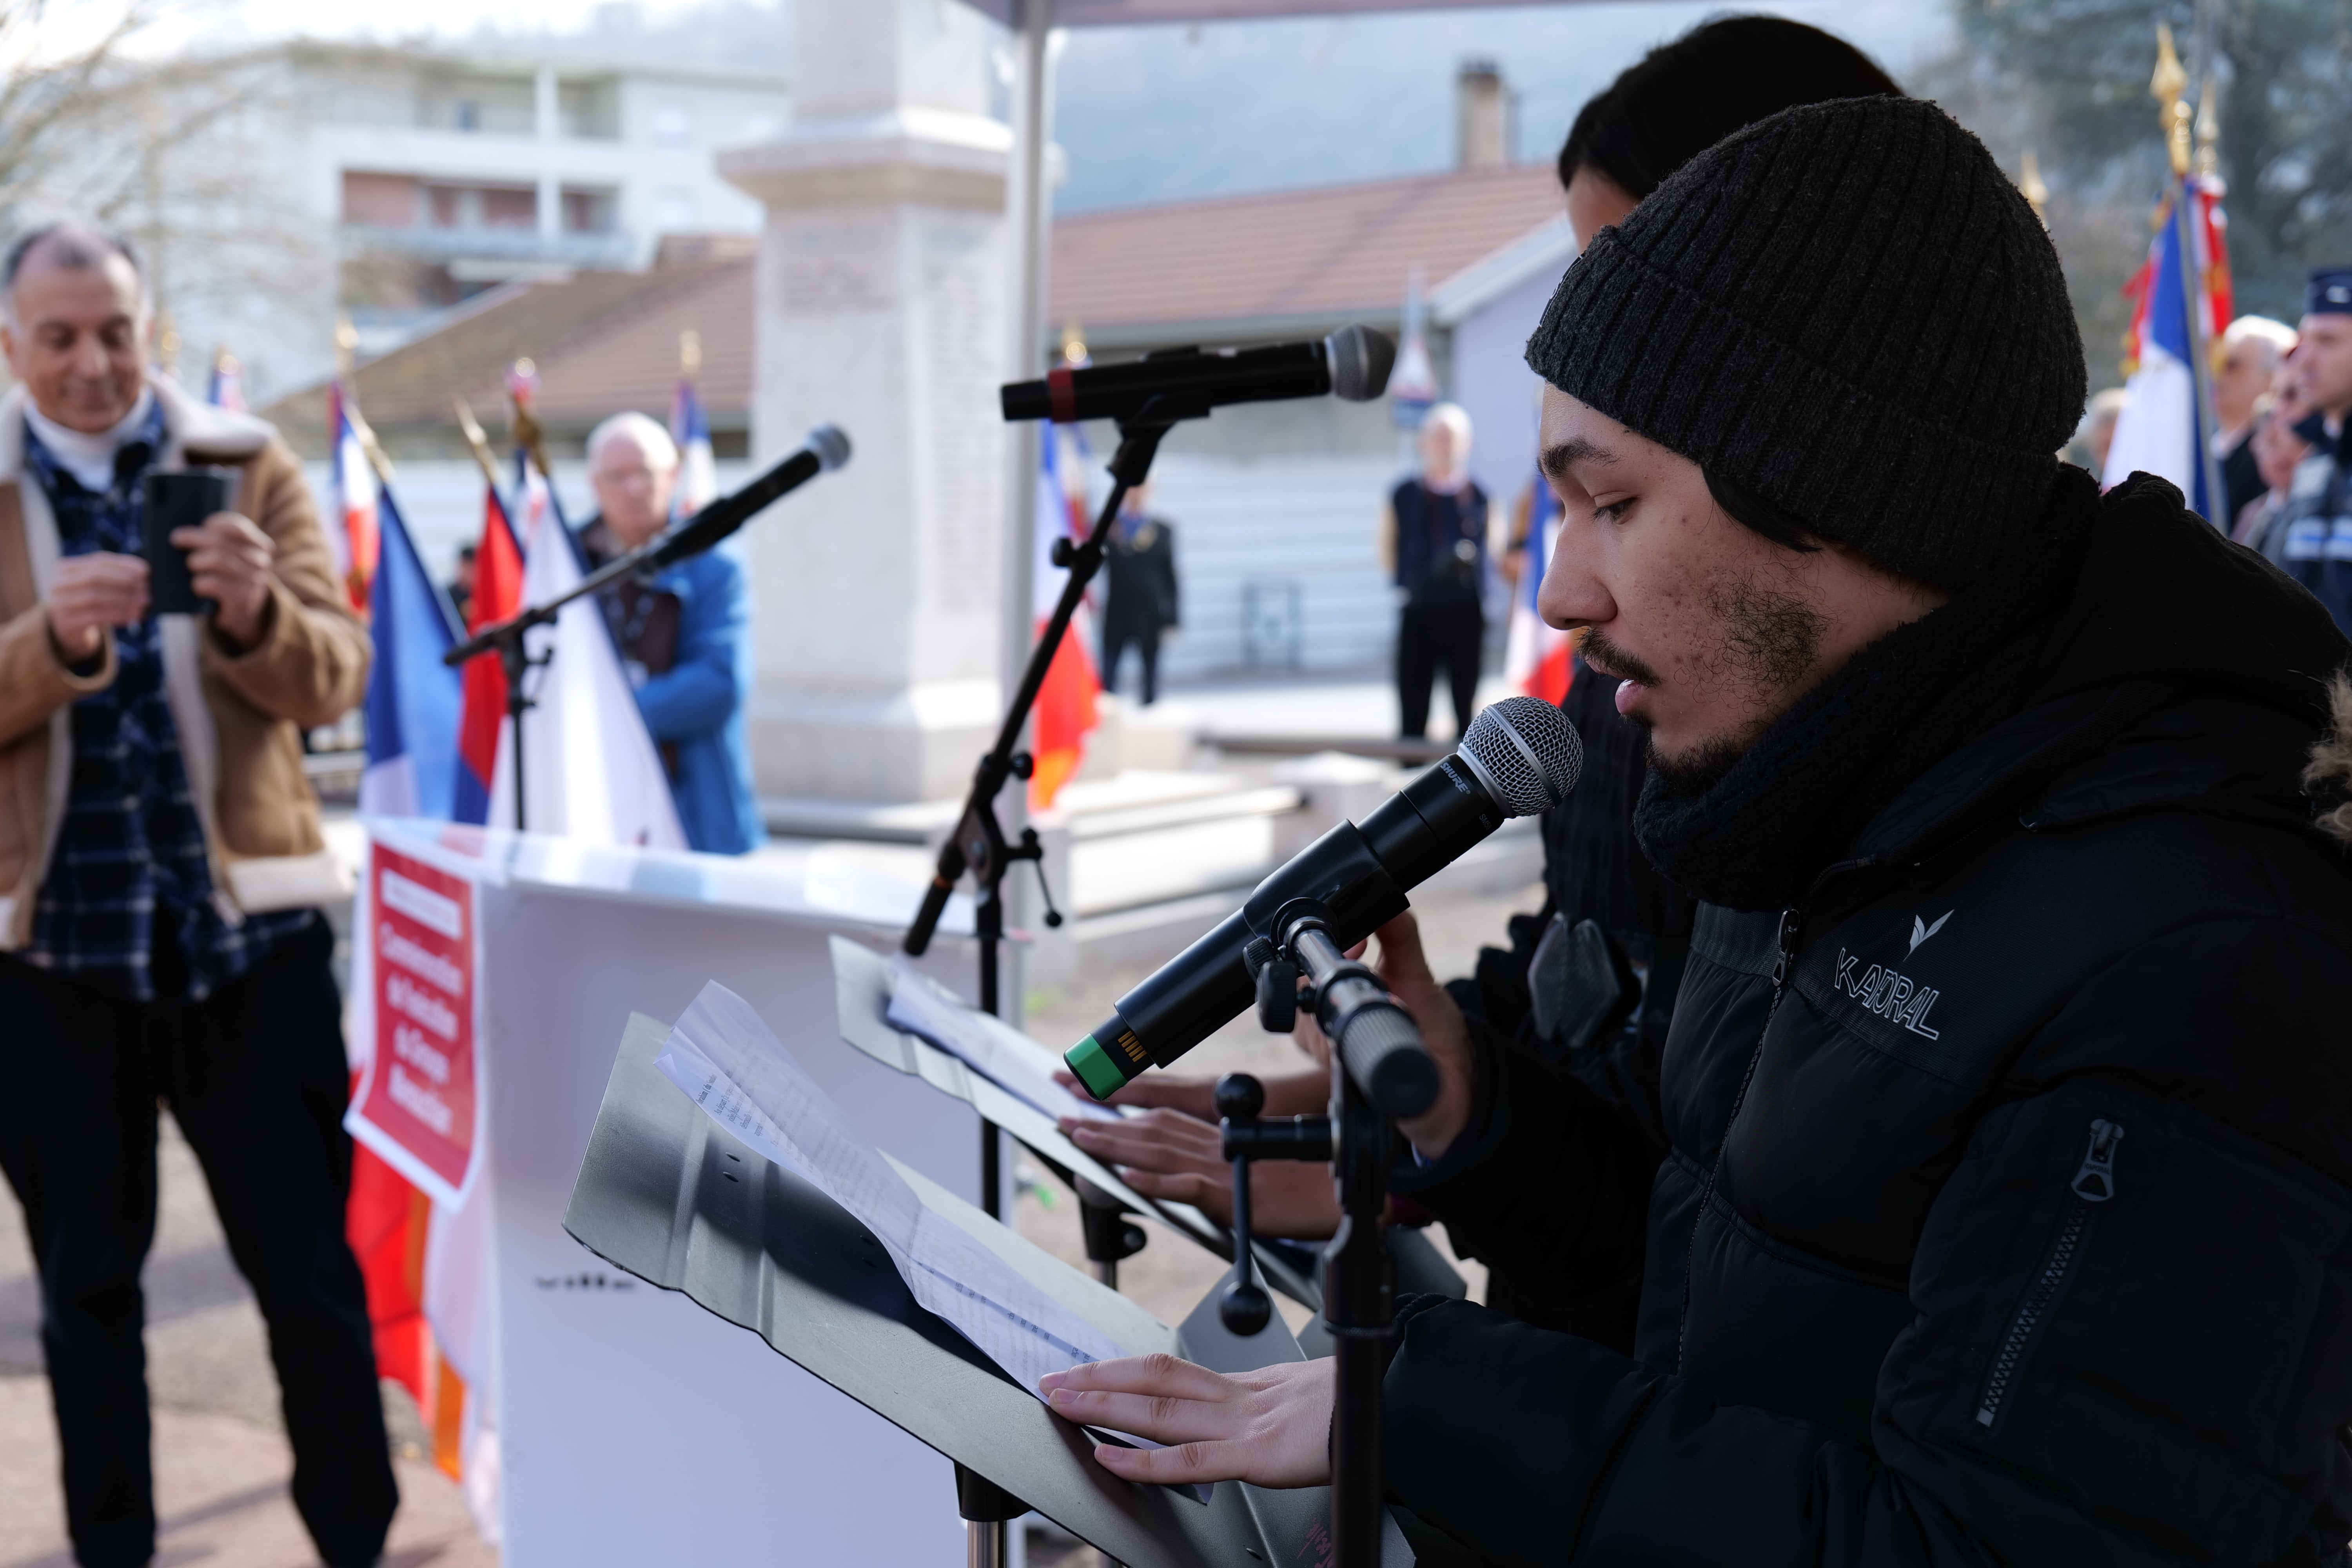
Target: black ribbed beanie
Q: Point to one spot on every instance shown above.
(1848, 310)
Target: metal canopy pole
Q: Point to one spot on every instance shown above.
(1026, 201)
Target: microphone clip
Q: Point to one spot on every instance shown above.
(1245, 1307)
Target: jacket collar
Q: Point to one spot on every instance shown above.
(188, 424)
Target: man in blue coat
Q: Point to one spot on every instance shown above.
(685, 637)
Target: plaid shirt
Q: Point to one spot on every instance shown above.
(132, 849)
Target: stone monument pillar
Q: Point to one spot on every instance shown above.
(881, 307)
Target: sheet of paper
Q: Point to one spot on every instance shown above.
(990, 1046)
(729, 1062)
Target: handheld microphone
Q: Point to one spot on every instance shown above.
(1519, 757)
(1352, 362)
(825, 449)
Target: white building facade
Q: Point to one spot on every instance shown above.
(427, 176)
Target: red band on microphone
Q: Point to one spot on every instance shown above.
(1062, 395)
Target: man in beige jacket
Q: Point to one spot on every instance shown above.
(161, 862)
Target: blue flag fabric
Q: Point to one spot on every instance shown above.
(413, 699)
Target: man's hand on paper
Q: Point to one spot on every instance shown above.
(1165, 1154)
(1271, 1427)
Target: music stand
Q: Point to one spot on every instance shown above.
(659, 1196)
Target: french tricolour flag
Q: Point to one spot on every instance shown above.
(356, 499)
(1536, 657)
(698, 470)
(591, 769)
(2161, 429)
(226, 388)
(1065, 713)
(413, 699)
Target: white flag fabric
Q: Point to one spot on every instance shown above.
(591, 768)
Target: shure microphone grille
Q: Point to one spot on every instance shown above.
(1529, 751)
(1359, 361)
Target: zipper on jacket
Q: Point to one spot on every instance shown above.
(2094, 1183)
(1790, 919)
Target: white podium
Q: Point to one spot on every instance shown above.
(632, 1427)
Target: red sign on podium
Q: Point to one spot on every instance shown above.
(416, 1107)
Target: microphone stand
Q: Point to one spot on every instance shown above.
(979, 844)
(1358, 1138)
(506, 640)
(827, 447)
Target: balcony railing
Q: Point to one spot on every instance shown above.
(612, 249)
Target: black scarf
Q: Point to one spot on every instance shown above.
(1797, 799)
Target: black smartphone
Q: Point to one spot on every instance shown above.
(183, 498)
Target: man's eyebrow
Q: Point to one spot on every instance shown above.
(1558, 461)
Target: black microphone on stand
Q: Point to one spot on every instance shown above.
(1351, 365)
(1519, 757)
(825, 449)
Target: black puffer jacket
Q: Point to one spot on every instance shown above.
(1593, 872)
(2007, 1217)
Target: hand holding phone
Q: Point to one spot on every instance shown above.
(177, 500)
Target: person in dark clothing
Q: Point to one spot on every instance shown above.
(1140, 605)
(2007, 1209)
(1601, 891)
(461, 583)
(2252, 348)
(1435, 538)
(2311, 534)
(161, 862)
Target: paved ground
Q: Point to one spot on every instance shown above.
(1339, 705)
(222, 1460)
(221, 1457)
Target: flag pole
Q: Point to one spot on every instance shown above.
(479, 441)
(2170, 86)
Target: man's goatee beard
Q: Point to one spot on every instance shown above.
(1693, 773)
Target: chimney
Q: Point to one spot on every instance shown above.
(1482, 117)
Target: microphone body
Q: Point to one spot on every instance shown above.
(1352, 362)
(825, 449)
(1519, 757)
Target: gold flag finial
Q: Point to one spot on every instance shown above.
(476, 441)
(167, 346)
(1074, 344)
(2209, 126)
(2029, 186)
(690, 354)
(2167, 87)
(347, 344)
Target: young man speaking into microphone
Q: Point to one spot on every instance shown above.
(2009, 1211)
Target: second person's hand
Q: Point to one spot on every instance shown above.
(1168, 1155)
(1404, 968)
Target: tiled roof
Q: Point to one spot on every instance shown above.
(602, 342)
(1315, 255)
(608, 341)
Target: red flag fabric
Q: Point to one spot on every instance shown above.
(385, 1223)
(497, 596)
(1063, 717)
(1064, 714)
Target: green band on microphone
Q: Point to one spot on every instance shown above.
(1096, 1068)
